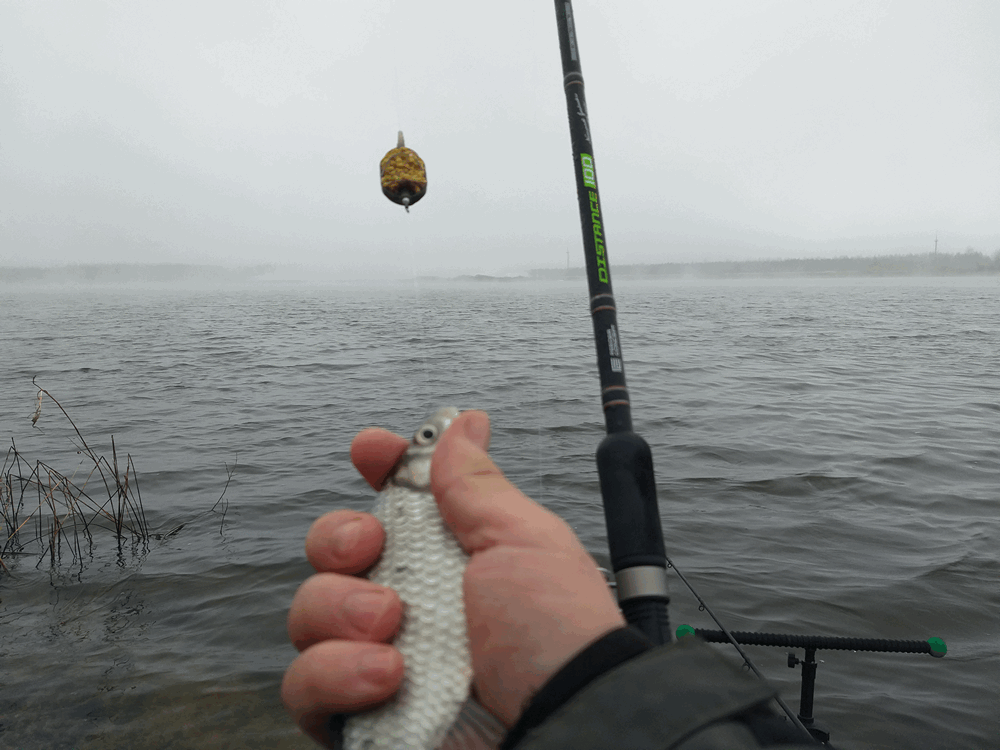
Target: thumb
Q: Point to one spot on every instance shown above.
(476, 500)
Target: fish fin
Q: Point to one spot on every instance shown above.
(474, 729)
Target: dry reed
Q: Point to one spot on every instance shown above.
(45, 512)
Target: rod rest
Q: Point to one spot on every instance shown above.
(933, 646)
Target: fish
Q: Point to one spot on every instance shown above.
(425, 564)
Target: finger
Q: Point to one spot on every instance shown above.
(344, 541)
(336, 677)
(375, 453)
(330, 606)
(477, 501)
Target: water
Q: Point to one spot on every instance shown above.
(826, 452)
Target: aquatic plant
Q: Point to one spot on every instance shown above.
(45, 512)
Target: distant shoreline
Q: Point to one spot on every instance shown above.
(968, 263)
(118, 273)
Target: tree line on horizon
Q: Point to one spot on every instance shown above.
(968, 263)
(118, 273)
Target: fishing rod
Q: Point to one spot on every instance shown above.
(624, 460)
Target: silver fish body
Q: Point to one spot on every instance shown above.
(424, 563)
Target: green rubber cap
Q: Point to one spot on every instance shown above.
(938, 647)
(686, 630)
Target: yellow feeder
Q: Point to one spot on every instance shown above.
(404, 177)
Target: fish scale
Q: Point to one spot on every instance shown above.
(424, 563)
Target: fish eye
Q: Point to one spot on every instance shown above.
(426, 434)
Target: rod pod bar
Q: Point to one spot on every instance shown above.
(624, 460)
(935, 647)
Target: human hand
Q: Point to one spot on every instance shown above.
(533, 595)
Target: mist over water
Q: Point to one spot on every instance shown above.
(250, 133)
(826, 457)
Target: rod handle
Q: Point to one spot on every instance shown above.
(628, 487)
(650, 616)
(635, 540)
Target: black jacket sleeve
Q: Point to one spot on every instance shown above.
(684, 696)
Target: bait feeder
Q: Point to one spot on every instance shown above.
(404, 177)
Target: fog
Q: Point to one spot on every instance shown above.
(247, 133)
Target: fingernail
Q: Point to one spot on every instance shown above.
(364, 609)
(376, 664)
(346, 537)
(477, 430)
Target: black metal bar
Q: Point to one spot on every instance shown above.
(825, 642)
(808, 691)
(624, 460)
(808, 694)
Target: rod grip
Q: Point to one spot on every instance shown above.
(625, 470)
(635, 539)
(650, 616)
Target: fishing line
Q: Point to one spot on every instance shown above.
(418, 308)
(539, 451)
(746, 659)
(405, 236)
(396, 88)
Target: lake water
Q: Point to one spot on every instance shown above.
(827, 457)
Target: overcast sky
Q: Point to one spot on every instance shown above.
(247, 132)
